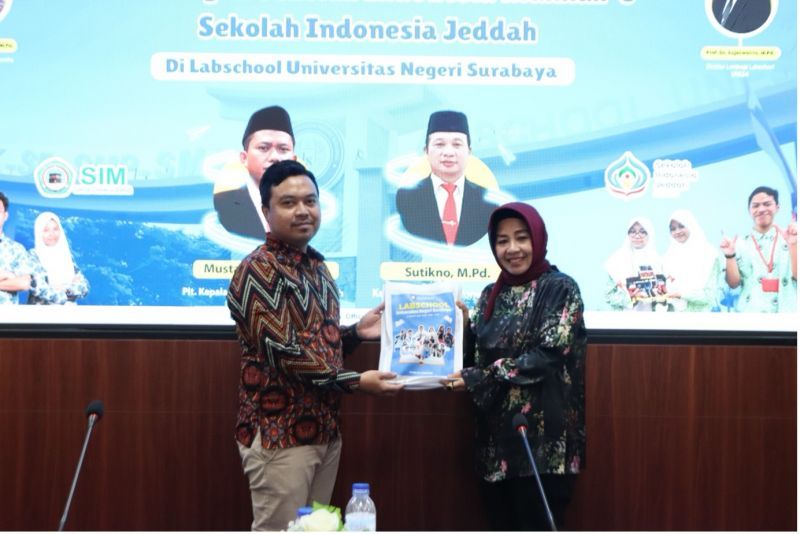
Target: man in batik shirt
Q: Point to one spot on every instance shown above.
(286, 308)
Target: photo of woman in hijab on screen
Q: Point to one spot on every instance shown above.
(57, 278)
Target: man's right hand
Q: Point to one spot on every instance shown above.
(728, 245)
(377, 383)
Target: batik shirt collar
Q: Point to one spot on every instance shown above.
(286, 253)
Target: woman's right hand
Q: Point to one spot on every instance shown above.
(453, 382)
(464, 310)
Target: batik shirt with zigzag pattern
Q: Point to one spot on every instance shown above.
(286, 308)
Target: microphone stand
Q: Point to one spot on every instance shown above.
(522, 432)
(92, 419)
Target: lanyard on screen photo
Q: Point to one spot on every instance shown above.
(771, 263)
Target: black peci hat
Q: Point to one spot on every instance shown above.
(271, 118)
(447, 121)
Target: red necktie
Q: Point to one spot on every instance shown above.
(449, 218)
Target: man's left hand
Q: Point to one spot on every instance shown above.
(790, 234)
(369, 327)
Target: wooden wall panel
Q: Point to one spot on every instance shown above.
(162, 458)
(699, 438)
(416, 451)
(680, 438)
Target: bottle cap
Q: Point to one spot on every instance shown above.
(360, 487)
(305, 510)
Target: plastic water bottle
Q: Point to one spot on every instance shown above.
(360, 514)
(297, 523)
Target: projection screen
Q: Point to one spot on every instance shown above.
(125, 119)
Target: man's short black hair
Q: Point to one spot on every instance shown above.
(4, 200)
(763, 189)
(277, 173)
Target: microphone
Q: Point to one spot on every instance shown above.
(520, 424)
(94, 411)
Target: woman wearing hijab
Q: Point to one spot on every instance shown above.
(57, 279)
(692, 265)
(525, 350)
(635, 275)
